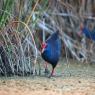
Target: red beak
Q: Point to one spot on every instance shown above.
(42, 50)
(44, 45)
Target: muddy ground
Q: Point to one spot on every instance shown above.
(80, 82)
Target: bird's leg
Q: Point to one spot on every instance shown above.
(52, 73)
(46, 65)
(46, 68)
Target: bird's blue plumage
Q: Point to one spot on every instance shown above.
(52, 52)
(89, 34)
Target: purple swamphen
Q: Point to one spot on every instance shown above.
(89, 33)
(51, 50)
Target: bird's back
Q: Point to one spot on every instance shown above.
(89, 34)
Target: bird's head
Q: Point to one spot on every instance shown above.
(44, 45)
(81, 26)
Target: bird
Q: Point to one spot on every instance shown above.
(88, 31)
(51, 50)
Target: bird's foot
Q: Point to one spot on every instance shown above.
(55, 75)
(50, 76)
(46, 71)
